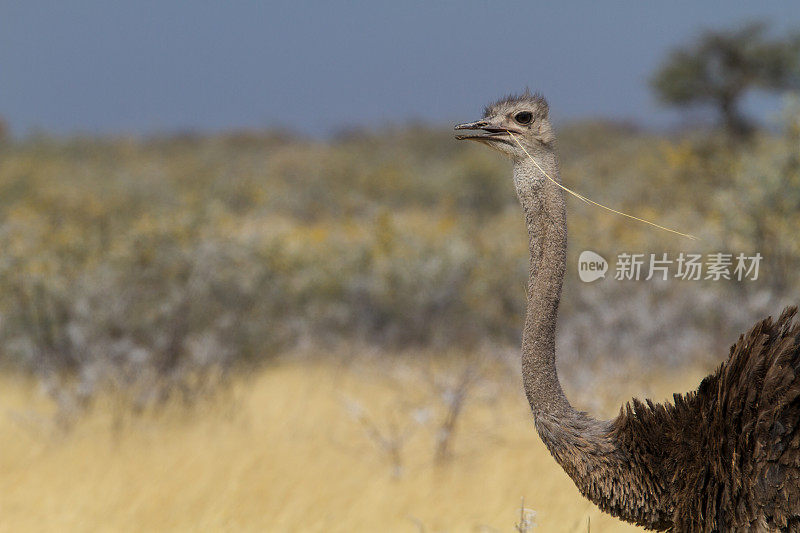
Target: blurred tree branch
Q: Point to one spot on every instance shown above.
(721, 66)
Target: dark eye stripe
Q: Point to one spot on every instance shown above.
(523, 117)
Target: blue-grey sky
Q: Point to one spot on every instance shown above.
(106, 66)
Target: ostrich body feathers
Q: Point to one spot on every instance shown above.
(725, 457)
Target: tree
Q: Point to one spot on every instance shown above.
(721, 66)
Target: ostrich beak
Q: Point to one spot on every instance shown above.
(489, 132)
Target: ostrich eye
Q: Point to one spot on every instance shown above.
(523, 117)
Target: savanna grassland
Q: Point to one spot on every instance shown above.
(259, 332)
(284, 451)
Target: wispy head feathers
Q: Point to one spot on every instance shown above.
(534, 102)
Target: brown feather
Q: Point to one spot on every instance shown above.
(729, 452)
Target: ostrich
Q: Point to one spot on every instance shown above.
(724, 457)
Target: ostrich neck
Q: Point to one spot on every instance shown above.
(584, 447)
(545, 217)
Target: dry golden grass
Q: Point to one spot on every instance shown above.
(281, 453)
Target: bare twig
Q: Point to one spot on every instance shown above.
(527, 519)
(454, 395)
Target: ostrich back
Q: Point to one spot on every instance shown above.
(726, 456)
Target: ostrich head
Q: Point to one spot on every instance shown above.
(524, 115)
